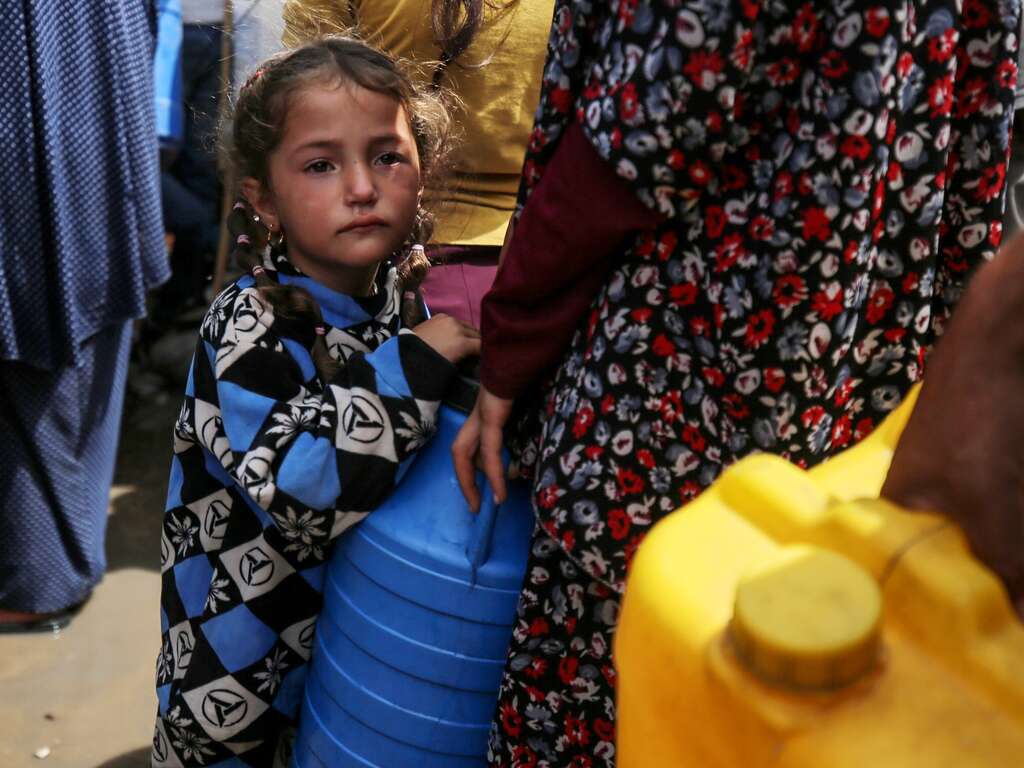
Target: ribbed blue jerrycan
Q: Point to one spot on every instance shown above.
(419, 602)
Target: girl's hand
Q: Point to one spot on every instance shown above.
(450, 338)
(479, 442)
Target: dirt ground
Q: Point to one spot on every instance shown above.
(85, 698)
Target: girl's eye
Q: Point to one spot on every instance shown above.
(319, 166)
(389, 158)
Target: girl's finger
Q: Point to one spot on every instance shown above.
(490, 453)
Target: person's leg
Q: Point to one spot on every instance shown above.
(60, 443)
(556, 706)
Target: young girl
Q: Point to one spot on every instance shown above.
(306, 398)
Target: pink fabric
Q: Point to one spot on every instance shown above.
(457, 285)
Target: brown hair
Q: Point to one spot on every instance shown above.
(257, 127)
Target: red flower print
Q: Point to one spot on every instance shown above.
(735, 406)
(667, 245)
(700, 173)
(629, 482)
(537, 668)
(789, 290)
(703, 68)
(880, 301)
(676, 160)
(646, 458)
(759, 328)
(910, 282)
(535, 693)
(671, 406)
(990, 184)
(733, 178)
(864, 428)
(812, 416)
(539, 626)
(523, 757)
(856, 146)
(548, 497)
(762, 227)
(728, 252)
(627, 11)
(607, 406)
(663, 346)
(584, 420)
(774, 379)
(618, 526)
(816, 224)
(1006, 74)
(641, 314)
(975, 15)
(783, 72)
(688, 491)
(576, 730)
(940, 47)
(714, 220)
(629, 551)
(693, 438)
(683, 295)
(940, 96)
(561, 100)
(829, 302)
(511, 721)
(877, 21)
(834, 65)
(581, 761)
(783, 185)
(628, 103)
(568, 540)
(841, 432)
(805, 28)
(714, 377)
(567, 669)
(603, 729)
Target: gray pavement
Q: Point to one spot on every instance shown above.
(85, 698)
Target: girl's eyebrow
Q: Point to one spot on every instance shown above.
(389, 137)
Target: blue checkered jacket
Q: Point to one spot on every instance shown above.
(270, 465)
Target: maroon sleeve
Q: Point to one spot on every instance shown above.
(559, 256)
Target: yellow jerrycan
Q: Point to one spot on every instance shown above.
(793, 619)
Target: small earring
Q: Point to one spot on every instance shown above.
(256, 219)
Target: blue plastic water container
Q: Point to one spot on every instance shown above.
(419, 603)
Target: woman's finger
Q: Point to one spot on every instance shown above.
(464, 455)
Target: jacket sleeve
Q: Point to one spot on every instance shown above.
(306, 19)
(316, 458)
(557, 260)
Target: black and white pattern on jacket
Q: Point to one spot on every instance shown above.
(270, 465)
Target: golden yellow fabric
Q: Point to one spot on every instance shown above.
(498, 98)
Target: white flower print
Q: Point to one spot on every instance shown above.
(272, 676)
(174, 718)
(217, 594)
(417, 432)
(300, 531)
(191, 745)
(287, 425)
(164, 662)
(183, 533)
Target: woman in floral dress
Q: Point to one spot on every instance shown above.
(742, 226)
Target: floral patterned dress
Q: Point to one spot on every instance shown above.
(831, 173)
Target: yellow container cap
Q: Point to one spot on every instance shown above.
(807, 618)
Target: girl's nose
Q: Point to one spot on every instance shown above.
(359, 185)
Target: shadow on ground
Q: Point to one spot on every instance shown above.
(140, 483)
(137, 759)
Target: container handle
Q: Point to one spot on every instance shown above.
(478, 548)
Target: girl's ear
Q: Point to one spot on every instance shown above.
(261, 201)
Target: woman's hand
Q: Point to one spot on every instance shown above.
(479, 442)
(450, 338)
(962, 452)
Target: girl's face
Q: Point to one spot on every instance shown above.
(344, 184)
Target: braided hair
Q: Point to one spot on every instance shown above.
(256, 128)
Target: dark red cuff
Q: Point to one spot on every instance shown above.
(563, 245)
